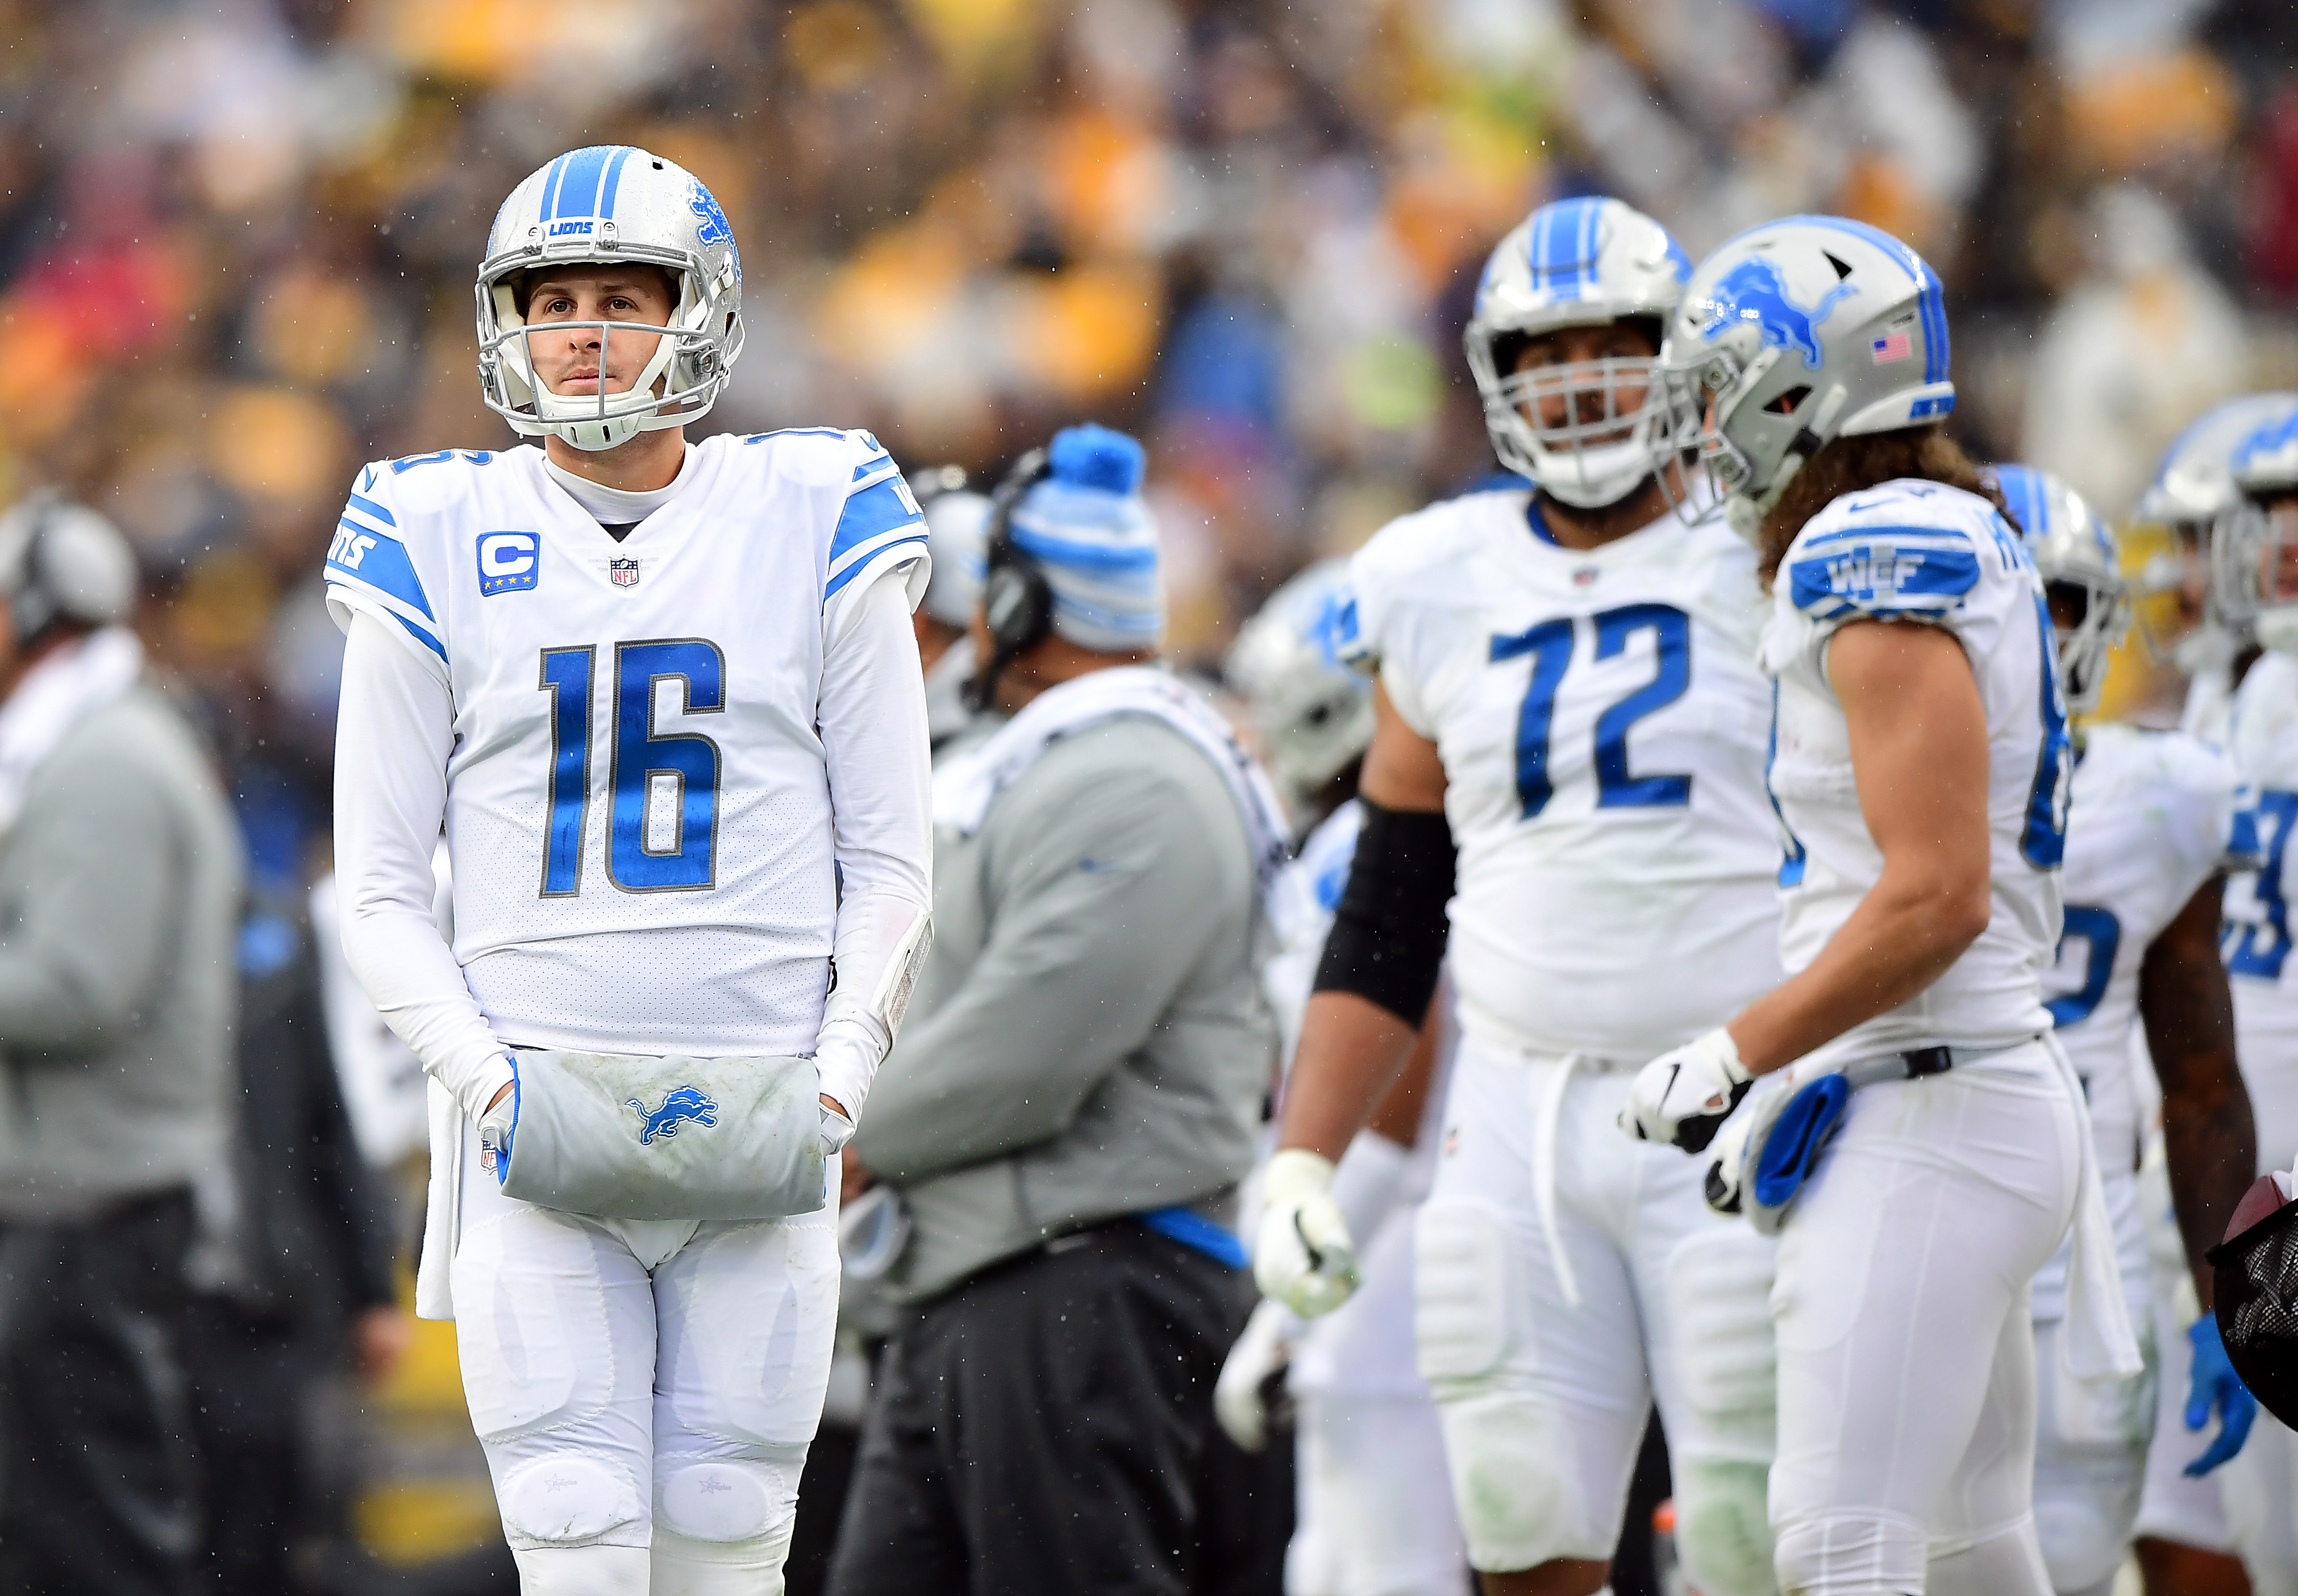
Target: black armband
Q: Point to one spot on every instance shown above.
(1388, 932)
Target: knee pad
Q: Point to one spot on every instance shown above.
(1722, 1528)
(571, 1499)
(727, 1501)
(1517, 1484)
(1850, 1554)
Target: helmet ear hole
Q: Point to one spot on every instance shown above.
(1789, 402)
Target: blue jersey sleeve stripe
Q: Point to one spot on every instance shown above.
(875, 464)
(877, 509)
(423, 637)
(366, 558)
(872, 561)
(370, 506)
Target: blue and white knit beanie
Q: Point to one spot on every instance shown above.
(1086, 527)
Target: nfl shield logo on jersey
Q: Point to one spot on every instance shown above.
(625, 572)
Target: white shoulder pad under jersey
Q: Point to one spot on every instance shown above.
(1601, 723)
(1912, 551)
(638, 803)
(2148, 825)
(1301, 907)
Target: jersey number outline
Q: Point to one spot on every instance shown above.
(2102, 934)
(2246, 952)
(2043, 843)
(688, 763)
(1550, 644)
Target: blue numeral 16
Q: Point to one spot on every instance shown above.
(686, 763)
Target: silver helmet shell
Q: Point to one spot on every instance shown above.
(2254, 543)
(1579, 262)
(612, 203)
(2194, 484)
(1312, 714)
(1792, 334)
(2072, 547)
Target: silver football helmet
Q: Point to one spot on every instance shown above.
(2253, 544)
(2072, 548)
(608, 204)
(1576, 262)
(1794, 334)
(2194, 484)
(1313, 714)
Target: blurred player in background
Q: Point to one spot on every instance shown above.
(957, 522)
(2148, 823)
(2192, 488)
(665, 702)
(1569, 693)
(1921, 772)
(1376, 1515)
(2254, 560)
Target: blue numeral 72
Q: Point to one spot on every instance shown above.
(1549, 644)
(640, 756)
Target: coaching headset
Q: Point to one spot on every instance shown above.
(1017, 601)
(63, 562)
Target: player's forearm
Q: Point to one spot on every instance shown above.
(1906, 933)
(2210, 1144)
(1352, 1051)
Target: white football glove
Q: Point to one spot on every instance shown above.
(1305, 1259)
(1264, 1347)
(1684, 1096)
(837, 1129)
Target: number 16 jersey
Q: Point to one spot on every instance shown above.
(1602, 723)
(639, 809)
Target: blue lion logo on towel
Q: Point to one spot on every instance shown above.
(1754, 291)
(682, 1104)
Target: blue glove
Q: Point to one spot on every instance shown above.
(2215, 1384)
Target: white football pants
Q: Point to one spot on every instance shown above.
(1906, 1360)
(1543, 1401)
(1374, 1513)
(645, 1391)
(2091, 1438)
(2172, 1507)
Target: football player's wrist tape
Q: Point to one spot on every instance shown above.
(1366, 1181)
(1304, 1257)
(882, 942)
(1684, 1096)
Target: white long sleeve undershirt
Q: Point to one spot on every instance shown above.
(395, 734)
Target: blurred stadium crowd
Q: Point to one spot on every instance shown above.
(239, 234)
(237, 239)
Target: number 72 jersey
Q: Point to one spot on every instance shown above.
(638, 803)
(1601, 723)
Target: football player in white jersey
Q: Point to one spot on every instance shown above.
(665, 701)
(2148, 825)
(1567, 694)
(2254, 585)
(2192, 488)
(1374, 1514)
(1920, 770)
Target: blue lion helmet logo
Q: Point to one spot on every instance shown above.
(682, 1104)
(710, 225)
(1755, 291)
